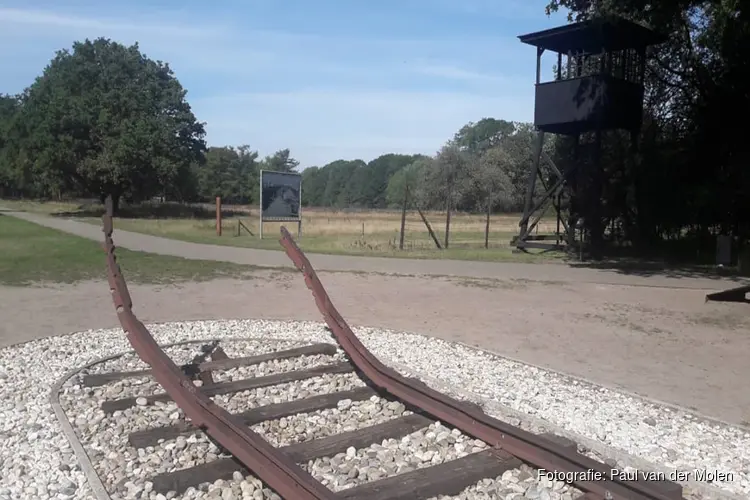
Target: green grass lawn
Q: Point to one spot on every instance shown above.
(32, 254)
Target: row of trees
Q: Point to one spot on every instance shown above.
(485, 162)
(103, 119)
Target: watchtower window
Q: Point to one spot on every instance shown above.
(597, 83)
(607, 46)
(626, 64)
(621, 64)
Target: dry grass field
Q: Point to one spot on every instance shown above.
(346, 232)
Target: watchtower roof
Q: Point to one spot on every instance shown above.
(591, 36)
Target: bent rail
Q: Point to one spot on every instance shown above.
(588, 475)
(274, 468)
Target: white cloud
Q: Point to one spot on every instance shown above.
(48, 19)
(457, 73)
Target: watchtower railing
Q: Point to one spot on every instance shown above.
(625, 64)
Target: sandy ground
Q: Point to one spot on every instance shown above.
(659, 342)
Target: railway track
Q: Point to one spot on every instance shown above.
(408, 441)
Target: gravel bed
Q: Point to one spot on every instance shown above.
(348, 416)
(429, 446)
(184, 353)
(290, 391)
(277, 366)
(38, 462)
(518, 484)
(147, 386)
(126, 470)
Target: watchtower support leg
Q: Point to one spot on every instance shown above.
(531, 185)
(533, 212)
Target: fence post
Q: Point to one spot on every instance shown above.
(403, 217)
(449, 206)
(218, 216)
(487, 224)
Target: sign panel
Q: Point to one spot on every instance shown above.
(281, 194)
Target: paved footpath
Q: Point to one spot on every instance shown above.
(322, 262)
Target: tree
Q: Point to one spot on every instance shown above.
(280, 161)
(489, 177)
(380, 170)
(105, 119)
(231, 173)
(689, 178)
(407, 176)
(10, 107)
(338, 174)
(519, 147)
(355, 191)
(482, 135)
(314, 180)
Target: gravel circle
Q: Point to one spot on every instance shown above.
(427, 447)
(38, 462)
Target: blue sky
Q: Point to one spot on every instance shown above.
(328, 79)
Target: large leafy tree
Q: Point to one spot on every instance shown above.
(314, 180)
(10, 107)
(408, 176)
(280, 161)
(483, 135)
(690, 176)
(231, 173)
(106, 120)
(378, 172)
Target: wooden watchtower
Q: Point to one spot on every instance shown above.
(597, 86)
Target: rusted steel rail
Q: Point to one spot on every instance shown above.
(271, 466)
(590, 476)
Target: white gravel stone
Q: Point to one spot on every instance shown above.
(290, 391)
(37, 460)
(516, 484)
(432, 445)
(124, 470)
(319, 424)
(277, 366)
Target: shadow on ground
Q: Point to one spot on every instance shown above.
(649, 268)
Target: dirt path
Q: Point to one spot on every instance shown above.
(269, 258)
(663, 343)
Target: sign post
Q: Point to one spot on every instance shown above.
(280, 199)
